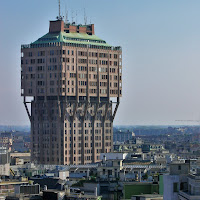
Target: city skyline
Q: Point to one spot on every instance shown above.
(158, 52)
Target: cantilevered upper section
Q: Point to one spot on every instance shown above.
(71, 61)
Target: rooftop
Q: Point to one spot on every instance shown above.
(76, 38)
(13, 182)
(61, 34)
(148, 195)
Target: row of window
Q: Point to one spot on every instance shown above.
(80, 68)
(68, 52)
(95, 54)
(51, 52)
(81, 90)
(80, 53)
(70, 44)
(83, 61)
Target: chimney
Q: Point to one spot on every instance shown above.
(56, 26)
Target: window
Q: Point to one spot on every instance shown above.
(30, 91)
(51, 90)
(175, 187)
(51, 82)
(41, 53)
(32, 61)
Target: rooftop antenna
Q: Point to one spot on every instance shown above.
(59, 16)
(66, 15)
(59, 7)
(76, 17)
(72, 16)
(85, 17)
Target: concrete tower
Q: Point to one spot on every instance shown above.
(72, 75)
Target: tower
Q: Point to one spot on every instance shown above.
(72, 76)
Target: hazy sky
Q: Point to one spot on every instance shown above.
(161, 54)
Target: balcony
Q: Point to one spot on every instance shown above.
(186, 195)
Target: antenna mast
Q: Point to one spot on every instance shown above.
(85, 17)
(72, 16)
(66, 15)
(76, 17)
(59, 7)
(59, 16)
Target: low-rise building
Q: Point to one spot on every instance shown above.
(138, 188)
(110, 169)
(82, 197)
(176, 180)
(19, 158)
(5, 169)
(11, 187)
(122, 136)
(192, 192)
(4, 155)
(6, 140)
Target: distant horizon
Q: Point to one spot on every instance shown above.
(115, 125)
(27, 128)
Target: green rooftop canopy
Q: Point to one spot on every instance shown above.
(78, 38)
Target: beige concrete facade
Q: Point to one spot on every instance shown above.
(71, 111)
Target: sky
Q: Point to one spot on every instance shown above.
(161, 48)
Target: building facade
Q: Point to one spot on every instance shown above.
(122, 136)
(6, 140)
(71, 74)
